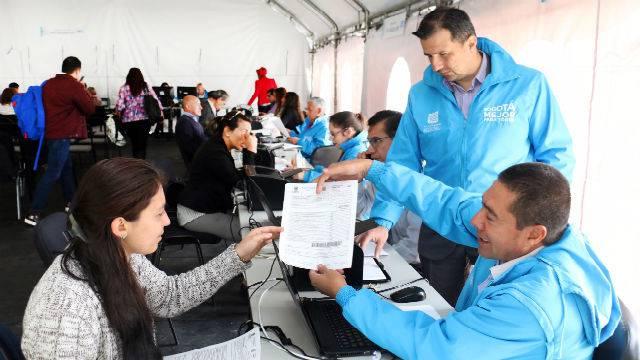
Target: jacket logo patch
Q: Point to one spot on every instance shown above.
(433, 122)
(500, 113)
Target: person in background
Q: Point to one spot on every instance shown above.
(261, 86)
(66, 107)
(206, 203)
(94, 96)
(15, 85)
(279, 94)
(290, 114)
(314, 131)
(475, 113)
(6, 108)
(98, 299)
(189, 133)
(201, 92)
(538, 289)
(130, 108)
(272, 102)
(404, 234)
(213, 106)
(346, 131)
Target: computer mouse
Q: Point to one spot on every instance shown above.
(408, 294)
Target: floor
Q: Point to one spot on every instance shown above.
(21, 267)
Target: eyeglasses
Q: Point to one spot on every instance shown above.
(333, 135)
(375, 141)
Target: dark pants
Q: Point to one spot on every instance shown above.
(443, 263)
(264, 108)
(138, 132)
(59, 166)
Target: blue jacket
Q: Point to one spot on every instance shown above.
(351, 148)
(310, 138)
(557, 304)
(513, 119)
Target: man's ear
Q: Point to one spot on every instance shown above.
(471, 42)
(536, 235)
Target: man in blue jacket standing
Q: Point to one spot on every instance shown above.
(537, 291)
(475, 113)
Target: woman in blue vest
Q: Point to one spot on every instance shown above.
(346, 131)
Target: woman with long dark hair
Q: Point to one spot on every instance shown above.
(97, 300)
(291, 115)
(205, 204)
(279, 94)
(130, 108)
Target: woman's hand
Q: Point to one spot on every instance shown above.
(251, 142)
(255, 240)
(293, 140)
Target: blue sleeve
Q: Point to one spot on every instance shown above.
(314, 173)
(548, 133)
(319, 138)
(446, 210)
(499, 327)
(405, 150)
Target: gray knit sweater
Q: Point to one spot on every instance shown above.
(65, 319)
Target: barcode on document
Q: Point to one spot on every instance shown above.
(325, 244)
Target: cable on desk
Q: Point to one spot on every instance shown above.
(265, 280)
(274, 342)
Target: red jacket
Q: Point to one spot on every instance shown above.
(263, 84)
(66, 105)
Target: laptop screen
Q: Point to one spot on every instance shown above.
(263, 201)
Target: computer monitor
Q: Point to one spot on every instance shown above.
(186, 90)
(162, 90)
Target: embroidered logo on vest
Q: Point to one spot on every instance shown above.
(433, 122)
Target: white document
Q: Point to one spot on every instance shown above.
(302, 163)
(370, 250)
(288, 146)
(244, 347)
(371, 271)
(318, 228)
(275, 125)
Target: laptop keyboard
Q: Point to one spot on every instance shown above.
(347, 336)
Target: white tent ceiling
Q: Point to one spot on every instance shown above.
(323, 17)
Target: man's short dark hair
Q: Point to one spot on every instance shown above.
(543, 197)
(70, 64)
(391, 121)
(14, 85)
(455, 20)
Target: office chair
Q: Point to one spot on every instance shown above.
(51, 237)
(9, 345)
(326, 155)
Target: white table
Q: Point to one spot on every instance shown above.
(278, 307)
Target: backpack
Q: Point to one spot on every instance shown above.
(151, 107)
(30, 113)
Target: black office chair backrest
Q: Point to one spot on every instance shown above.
(172, 195)
(617, 347)
(326, 155)
(51, 236)
(9, 345)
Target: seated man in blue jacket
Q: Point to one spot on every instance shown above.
(537, 291)
(314, 131)
(189, 133)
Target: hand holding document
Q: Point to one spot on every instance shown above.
(318, 228)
